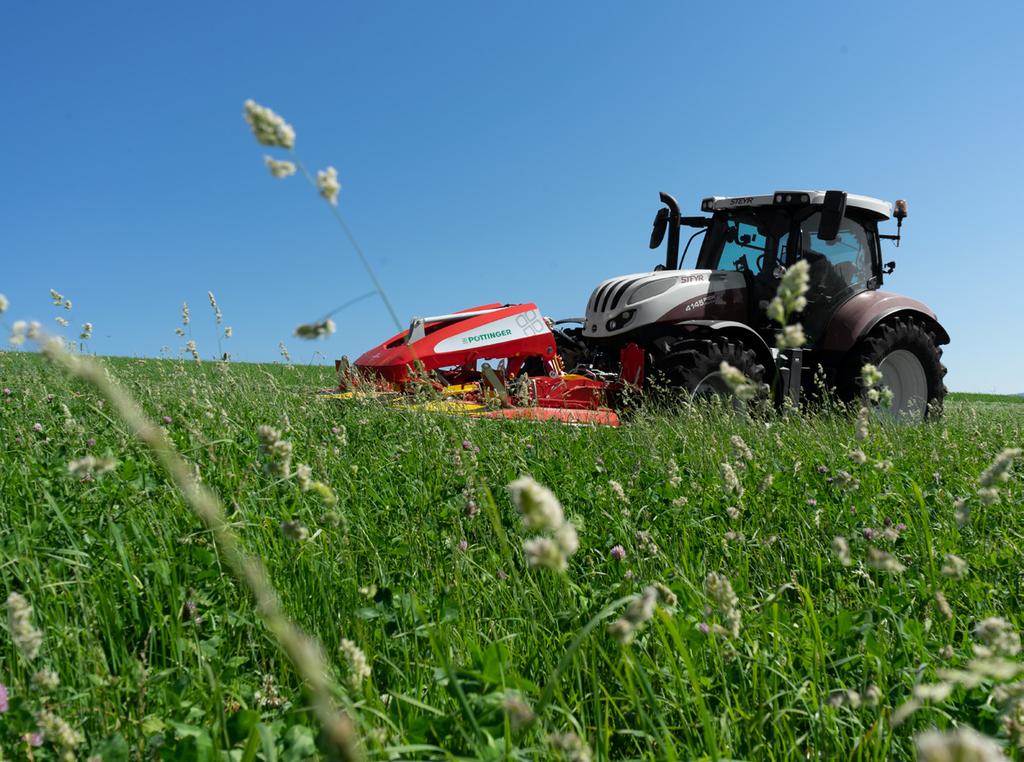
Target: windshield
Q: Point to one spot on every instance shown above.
(741, 241)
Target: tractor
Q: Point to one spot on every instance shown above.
(672, 329)
(688, 321)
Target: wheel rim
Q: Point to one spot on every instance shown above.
(903, 373)
(713, 383)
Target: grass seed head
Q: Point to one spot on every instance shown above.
(279, 169)
(963, 744)
(269, 128)
(327, 183)
(26, 638)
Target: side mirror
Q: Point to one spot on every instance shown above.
(660, 226)
(832, 211)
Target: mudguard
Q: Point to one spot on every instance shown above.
(860, 314)
(742, 331)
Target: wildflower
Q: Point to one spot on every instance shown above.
(858, 457)
(327, 182)
(269, 697)
(538, 506)
(870, 376)
(316, 330)
(645, 544)
(842, 550)
(7, 391)
(790, 337)
(732, 482)
(733, 512)
(996, 637)
(269, 129)
(545, 553)
(680, 501)
(58, 732)
(294, 530)
(789, 297)
(167, 420)
(45, 680)
(471, 509)
(617, 490)
(960, 745)
(962, 511)
(18, 329)
(463, 545)
(996, 474)
(571, 747)
(279, 169)
(86, 333)
(879, 559)
(943, 605)
(719, 590)
(5, 703)
(617, 553)
(861, 432)
(276, 452)
(674, 479)
(358, 667)
(954, 566)
(303, 476)
(741, 447)
(741, 386)
(519, 713)
(4, 304)
(184, 313)
(216, 309)
(37, 428)
(90, 464)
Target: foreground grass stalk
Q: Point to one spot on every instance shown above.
(304, 652)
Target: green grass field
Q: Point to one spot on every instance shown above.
(160, 653)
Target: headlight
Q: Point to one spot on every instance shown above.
(654, 288)
(620, 320)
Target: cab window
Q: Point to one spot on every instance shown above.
(734, 244)
(840, 263)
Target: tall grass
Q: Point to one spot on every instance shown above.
(160, 653)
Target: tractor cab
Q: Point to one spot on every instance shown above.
(760, 236)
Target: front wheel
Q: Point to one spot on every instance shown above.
(910, 361)
(696, 366)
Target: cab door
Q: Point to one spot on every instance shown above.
(838, 268)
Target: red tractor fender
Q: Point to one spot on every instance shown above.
(860, 314)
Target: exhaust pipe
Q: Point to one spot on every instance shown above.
(672, 251)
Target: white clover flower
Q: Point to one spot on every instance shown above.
(316, 330)
(279, 169)
(536, 504)
(4, 304)
(327, 182)
(269, 128)
(960, 745)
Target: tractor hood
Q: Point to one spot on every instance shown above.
(624, 304)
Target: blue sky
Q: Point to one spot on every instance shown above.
(487, 153)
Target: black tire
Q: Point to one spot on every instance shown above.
(882, 347)
(694, 366)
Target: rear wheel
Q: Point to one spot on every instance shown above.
(696, 366)
(910, 361)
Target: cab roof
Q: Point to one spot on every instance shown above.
(882, 210)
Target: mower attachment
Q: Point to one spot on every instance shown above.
(443, 364)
